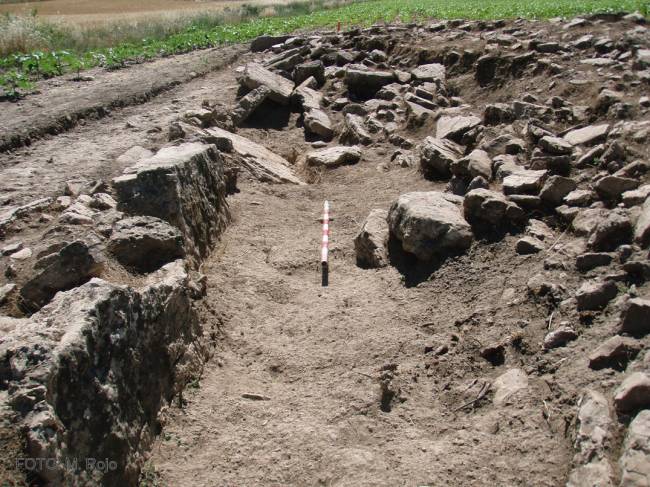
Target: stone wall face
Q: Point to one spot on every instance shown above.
(85, 377)
(90, 372)
(183, 185)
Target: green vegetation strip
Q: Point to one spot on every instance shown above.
(19, 70)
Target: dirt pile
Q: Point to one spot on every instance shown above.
(489, 302)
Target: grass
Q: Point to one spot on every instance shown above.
(70, 53)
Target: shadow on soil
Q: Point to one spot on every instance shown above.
(413, 270)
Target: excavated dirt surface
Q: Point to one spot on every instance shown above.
(376, 379)
(318, 353)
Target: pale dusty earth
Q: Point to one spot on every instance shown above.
(353, 388)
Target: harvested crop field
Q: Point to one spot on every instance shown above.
(95, 12)
(487, 315)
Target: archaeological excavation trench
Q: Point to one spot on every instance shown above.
(487, 315)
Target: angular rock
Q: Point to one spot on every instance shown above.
(586, 220)
(539, 230)
(579, 197)
(559, 337)
(6, 291)
(429, 105)
(636, 196)
(430, 72)
(367, 83)
(554, 164)
(591, 260)
(635, 317)
(262, 43)
(145, 243)
(511, 145)
(345, 57)
(525, 110)
(102, 202)
(508, 385)
(566, 213)
(633, 394)
(183, 185)
(12, 248)
(505, 165)
(304, 71)
(417, 115)
(334, 156)
(524, 181)
(609, 233)
(606, 98)
(317, 122)
(454, 127)
(614, 352)
(635, 459)
(437, 156)
(370, 243)
(287, 60)
(307, 98)
(476, 164)
(478, 182)
(595, 295)
(355, 131)
(22, 254)
(594, 428)
(642, 227)
(498, 113)
(262, 164)
(255, 75)
(249, 103)
(73, 265)
(555, 145)
(587, 135)
(555, 189)
(590, 156)
(378, 56)
(429, 224)
(598, 473)
(483, 207)
(529, 245)
(635, 169)
(77, 214)
(201, 117)
(637, 269)
(612, 187)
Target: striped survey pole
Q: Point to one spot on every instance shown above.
(325, 243)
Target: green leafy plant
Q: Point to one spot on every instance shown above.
(15, 85)
(644, 8)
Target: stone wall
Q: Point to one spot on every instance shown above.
(90, 371)
(84, 378)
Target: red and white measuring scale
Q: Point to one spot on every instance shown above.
(324, 251)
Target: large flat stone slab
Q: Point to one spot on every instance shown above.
(587, 135)
(262, 163)
(256, 75)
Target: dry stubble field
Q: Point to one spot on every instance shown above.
(95, 12)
